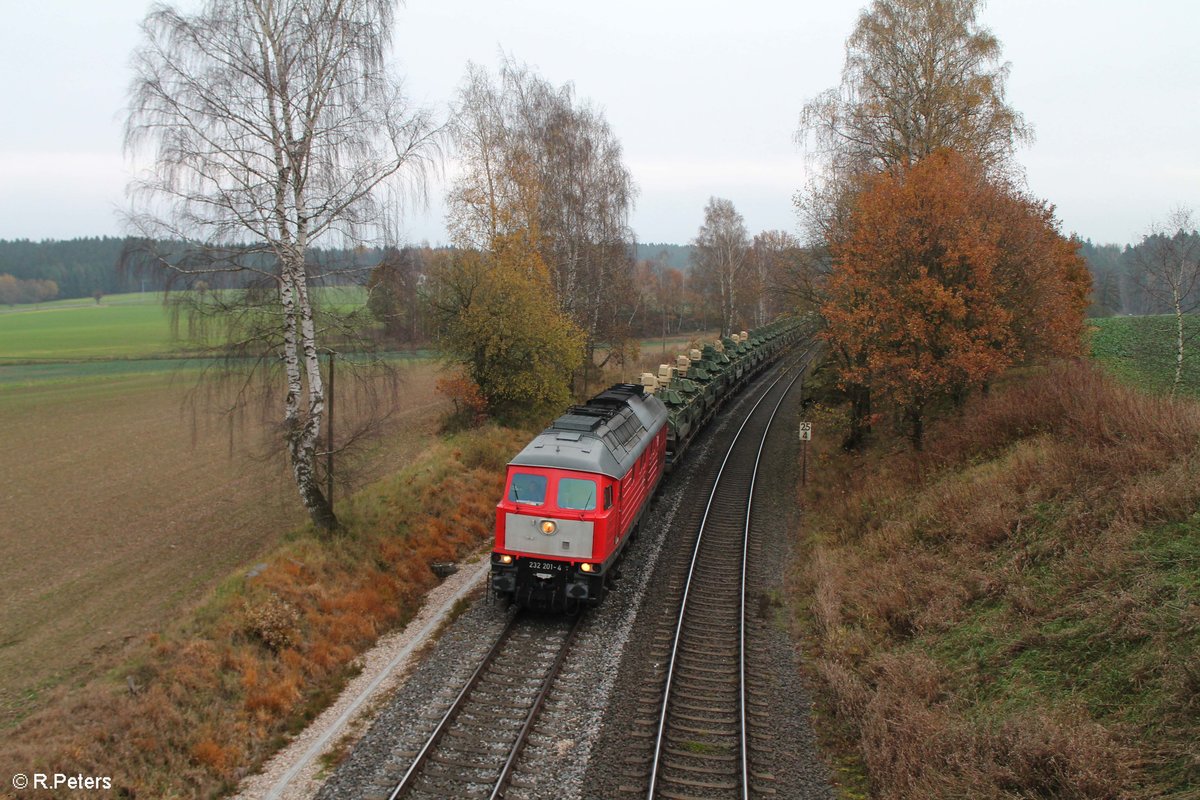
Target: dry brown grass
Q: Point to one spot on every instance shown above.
(1005, 614)
(214, 696)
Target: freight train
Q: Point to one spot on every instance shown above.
(575, 494)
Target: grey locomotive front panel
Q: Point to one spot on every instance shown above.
(571, 538)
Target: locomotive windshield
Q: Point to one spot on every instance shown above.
(576, 494)
(527, 488)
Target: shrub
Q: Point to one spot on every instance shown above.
(273, 621)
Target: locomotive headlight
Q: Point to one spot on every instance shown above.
(549, 526)
(585, 567)
(505, 558)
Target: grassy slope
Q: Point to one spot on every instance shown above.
(1016, 611)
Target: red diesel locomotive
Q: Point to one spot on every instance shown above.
(573, 496)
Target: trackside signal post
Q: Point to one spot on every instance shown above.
(805, 436)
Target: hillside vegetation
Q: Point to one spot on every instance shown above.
(1015, 611)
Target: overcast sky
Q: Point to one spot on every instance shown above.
(704, 96)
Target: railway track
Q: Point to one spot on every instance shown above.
(472, 742)
(474, 747)
(705, 738)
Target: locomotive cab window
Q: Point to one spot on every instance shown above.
(527, 488)
(608, 497)
(576, 495)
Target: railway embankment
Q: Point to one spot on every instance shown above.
(1015, 611)
(197, 706)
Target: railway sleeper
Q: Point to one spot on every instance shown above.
(703, 708)
(669, 795)
(692, 783)
(711, 670)
(722, 717)
(708, 628)
(711, 685)
(460, 766)
(714, 756)
(705, 767)
(696, 730)
(475, 742)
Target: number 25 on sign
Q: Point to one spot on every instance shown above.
(805, 431)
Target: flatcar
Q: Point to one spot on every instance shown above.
(576, 493)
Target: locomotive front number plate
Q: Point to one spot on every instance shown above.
(553, 566)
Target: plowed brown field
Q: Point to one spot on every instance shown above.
(120, 507)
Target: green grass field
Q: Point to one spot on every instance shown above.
(1141, 350)
(123, 326)
(116, 328)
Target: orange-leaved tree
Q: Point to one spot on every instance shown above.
(941, 279)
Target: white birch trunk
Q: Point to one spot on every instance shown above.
(305, 385)
(1178, 305)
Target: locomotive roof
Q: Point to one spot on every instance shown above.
(606, 434)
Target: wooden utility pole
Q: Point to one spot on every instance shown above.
(329, 447)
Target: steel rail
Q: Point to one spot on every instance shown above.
(414, 769)
(745, 748)
(658, 741)
(527, 728)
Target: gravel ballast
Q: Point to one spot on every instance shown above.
(577, 749)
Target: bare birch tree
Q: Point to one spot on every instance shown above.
(1168, 271)
(919, 76)
(539, 164)
(783, 276)
(721, 249)
(272, 126)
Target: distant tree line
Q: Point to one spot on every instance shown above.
(109, 265)
(672, 296)
(678, 256)
(1124, 280)
(81, 267)
(78, 267)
